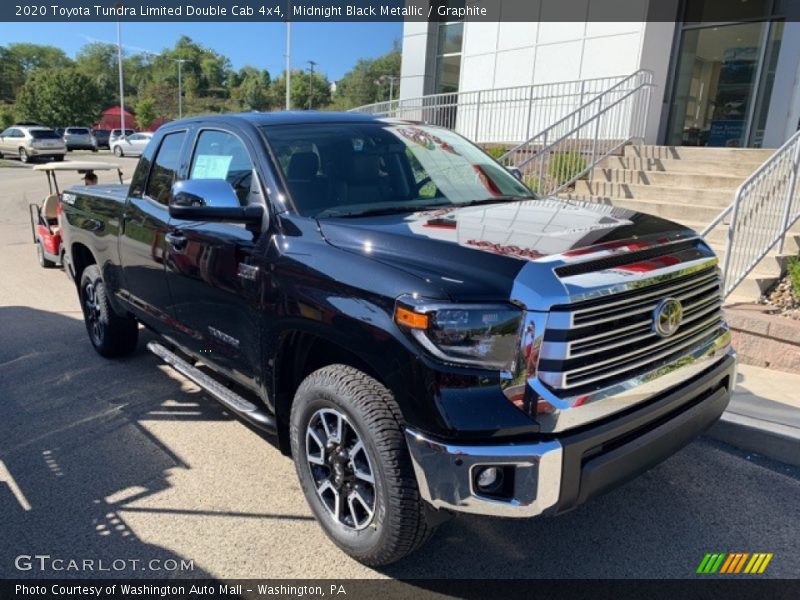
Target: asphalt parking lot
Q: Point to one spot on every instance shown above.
(127, 460)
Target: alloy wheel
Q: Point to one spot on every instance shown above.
(341, 469)
(93, 314)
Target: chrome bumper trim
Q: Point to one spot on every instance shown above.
(444, 475)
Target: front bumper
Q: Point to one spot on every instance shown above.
(559, 472)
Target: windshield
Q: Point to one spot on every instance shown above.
(352, 169)
(44, 134)
(78, 131)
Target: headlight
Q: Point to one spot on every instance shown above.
(480, 335)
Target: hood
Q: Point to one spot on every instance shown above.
(475, 253)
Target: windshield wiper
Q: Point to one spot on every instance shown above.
(495, 200)
(386, 210)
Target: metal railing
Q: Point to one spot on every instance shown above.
(502, 115)
(765, 206)
(570, 148)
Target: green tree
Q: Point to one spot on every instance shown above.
(357, 87)
(36, 56)
(250, 89)
(98, 61)
(145, 112)
(309, 90)
(6, 117)
(164, 97)
(59, 97)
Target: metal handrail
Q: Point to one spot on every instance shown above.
(559, 155)
(581, 109)
(764, 208)
(501, 115)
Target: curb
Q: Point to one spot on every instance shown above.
(772, 440)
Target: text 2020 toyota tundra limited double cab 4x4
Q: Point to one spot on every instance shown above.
(421, 333)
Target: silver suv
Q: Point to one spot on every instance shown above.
(79, 138)
(27, 142)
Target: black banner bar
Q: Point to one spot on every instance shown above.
(714, 587)
(697, 11)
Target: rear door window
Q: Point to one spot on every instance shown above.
(165, 167)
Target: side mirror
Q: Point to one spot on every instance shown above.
(211, 200)
(515, 171)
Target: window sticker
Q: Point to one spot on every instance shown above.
(211, 166)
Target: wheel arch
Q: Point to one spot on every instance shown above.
(299, 353)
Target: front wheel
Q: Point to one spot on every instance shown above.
(118, 151)
(354, 466)
(111, 334)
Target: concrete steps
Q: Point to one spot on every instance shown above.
(758, 155)
(689, 185)
(740, 168)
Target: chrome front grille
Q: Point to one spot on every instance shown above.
(593, 344)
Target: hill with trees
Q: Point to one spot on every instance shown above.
(41, 83)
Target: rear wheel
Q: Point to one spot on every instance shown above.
(44, 262)
(23, 155)
(58, 157)
(118, 150)
(111, 334)
(354, 466)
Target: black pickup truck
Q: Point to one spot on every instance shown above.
(419, 331)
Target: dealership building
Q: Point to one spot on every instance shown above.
(725, 72)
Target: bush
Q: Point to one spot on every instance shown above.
(496, 151)
(532, 182)
(566, 165)
(794, 274)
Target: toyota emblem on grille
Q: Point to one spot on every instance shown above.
(667, 317)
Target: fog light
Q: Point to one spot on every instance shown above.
(489, 479)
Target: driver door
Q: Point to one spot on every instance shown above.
(210, 272)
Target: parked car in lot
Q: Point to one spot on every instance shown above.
(117, 134)
(131, 145)
(102, 137)
(79, 138)
(44, 216)
(28, 142)
(422, 333)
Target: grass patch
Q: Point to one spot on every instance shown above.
(794, 274)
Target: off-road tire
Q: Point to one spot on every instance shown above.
(111, 334)
(399, 525)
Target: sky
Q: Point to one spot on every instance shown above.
(335, 47)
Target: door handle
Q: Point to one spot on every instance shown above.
(177, 240)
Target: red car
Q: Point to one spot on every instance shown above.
(44, 218)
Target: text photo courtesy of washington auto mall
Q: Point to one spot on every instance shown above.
(400, 299)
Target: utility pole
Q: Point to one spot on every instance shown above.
(121, 87)
(180, 62)
(311, 65)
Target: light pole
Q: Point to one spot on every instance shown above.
(121, 87)
(180, 62)
(288, 63)
(391, 79)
